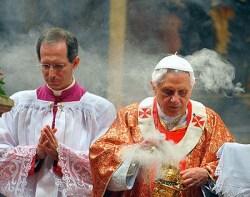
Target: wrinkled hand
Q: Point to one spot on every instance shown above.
(151, 144)
(48, 143)
(194, 177)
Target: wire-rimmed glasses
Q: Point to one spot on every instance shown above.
(56, 67)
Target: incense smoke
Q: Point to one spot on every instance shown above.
(214, 73)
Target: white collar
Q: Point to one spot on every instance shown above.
(59, 92)
(167, 118)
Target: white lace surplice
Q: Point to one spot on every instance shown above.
(233, 170)
(78, 124)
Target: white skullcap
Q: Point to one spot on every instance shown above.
(175, 62)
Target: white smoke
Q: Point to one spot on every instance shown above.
(156, 154)
(214, 73)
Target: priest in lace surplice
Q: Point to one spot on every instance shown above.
(45, 138)
(162, 146)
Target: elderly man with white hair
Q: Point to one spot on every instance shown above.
(162, 146)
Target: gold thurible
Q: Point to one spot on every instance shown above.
(168, 185)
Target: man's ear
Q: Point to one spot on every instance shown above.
(152, 85)
(76, 62)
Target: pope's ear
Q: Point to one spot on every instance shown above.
(152, 85)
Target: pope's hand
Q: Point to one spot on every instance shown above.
(194, 177)
(151, 144)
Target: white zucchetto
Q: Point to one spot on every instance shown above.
(174, 62)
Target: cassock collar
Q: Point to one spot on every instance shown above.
(73, 93)
(59, 92)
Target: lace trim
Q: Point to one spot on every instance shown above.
(225, 187)
(232, 181)
(15, 164)
(76, 172)
(229, 186)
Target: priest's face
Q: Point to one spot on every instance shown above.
(173, 93)
(56, 68)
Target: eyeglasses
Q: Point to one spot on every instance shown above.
(56, 67)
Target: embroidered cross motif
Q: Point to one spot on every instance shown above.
(198, 122)
(145, 113)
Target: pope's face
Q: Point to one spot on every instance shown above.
(173, 93)
(55, 55)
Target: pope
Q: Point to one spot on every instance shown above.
(168, 129)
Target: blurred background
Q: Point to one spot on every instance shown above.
(122, 40)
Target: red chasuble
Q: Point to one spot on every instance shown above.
(200, 139)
